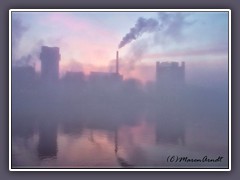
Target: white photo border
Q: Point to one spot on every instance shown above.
(123, 169)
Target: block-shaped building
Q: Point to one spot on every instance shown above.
(50, 58)
(74, 78)
(107, 77)
(170, 74)
(23, 78)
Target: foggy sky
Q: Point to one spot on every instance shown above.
(90, 40)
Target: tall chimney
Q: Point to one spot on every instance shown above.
(117, 63)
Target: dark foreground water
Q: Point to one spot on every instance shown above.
(119, 127)
(143, 143)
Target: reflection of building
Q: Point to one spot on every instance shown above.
(170, 131)
(50, 63)
(170, 73)
(47, 145)
(121, 161)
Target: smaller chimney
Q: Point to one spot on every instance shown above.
(117, 63)
(183, 64)
(157, 66)
(157, 70)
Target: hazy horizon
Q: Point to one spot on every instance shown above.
(88, 41)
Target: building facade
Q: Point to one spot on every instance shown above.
(170, 74)
(50, 58)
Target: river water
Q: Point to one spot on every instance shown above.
(142, 143)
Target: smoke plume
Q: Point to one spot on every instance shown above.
(142, 25)
(18, 30)
(168, 24)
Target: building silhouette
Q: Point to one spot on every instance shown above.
(170, 74)
(74, 78)
(50, 57)
(104, 77)
(23, 78)
(107, 77)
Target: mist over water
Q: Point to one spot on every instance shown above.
(115, 123)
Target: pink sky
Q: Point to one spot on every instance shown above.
(88, 42)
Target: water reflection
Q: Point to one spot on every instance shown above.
(79, 144)
(121, 161)
(103, 130)
(47, 144)
(170, 130)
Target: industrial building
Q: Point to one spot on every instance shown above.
(170, 74)
(50, 58)
(23, 77)
(104, 77)
(107, 77)
(74, 78)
